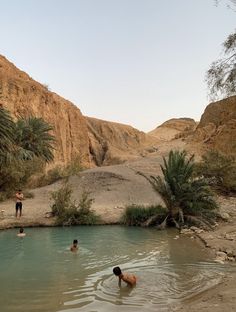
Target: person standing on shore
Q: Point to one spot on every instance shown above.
(19, 197)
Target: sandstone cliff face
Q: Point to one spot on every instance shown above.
(173, 128)
(23, 96)
(95, 141)
(217, 127)
(112, 142)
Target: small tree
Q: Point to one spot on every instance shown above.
(221, 77)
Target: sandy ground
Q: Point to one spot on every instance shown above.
(115, 187)
(111, 187)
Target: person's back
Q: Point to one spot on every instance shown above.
(129, 279)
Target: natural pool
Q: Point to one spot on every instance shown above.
(39, 273)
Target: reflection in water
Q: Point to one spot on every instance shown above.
(39, 273)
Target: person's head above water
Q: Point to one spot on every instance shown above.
(75, 242)
(117, 271)
(21, 230)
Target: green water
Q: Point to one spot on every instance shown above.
(39, 273)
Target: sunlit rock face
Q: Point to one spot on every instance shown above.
(217, 127)
(112, 142)
(174, 128)
(95, 142)
(23, 96)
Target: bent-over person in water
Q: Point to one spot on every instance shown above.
(129, 279)
(74, 246)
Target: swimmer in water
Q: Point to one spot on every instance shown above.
(21, 232)
(74, 247)
(129, 279)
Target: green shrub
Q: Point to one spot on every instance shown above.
(69, 212)
(220, 170)
(138, 214)
(62, 200)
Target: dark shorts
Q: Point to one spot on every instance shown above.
(18, 206)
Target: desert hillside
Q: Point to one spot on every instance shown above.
(217, 127)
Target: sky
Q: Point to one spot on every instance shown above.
(137, 62)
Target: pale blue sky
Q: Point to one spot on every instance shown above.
(138, 62)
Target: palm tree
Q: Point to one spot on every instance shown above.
(21, 144)
(186, 198)
(33, 138)
(6, 131)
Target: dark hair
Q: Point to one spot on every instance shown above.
(75, 241)
(21, 230)
(19, 190)
(117, 271)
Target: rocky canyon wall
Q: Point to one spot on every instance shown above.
(217, 127)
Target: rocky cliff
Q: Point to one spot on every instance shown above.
(95, 141)
(23, 96)
(173, 128)
(112, 142)
(217, 127)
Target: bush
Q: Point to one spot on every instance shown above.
(62, 200)
(138, 214)
(220, 170)
(69, 212)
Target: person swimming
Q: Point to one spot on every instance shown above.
(129, 279)
(21, 232)
(74, 247)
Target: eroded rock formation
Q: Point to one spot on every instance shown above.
(217, 127)
(112, 142)
(96, 142)
(174, 128)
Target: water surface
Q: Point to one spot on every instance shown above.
(39, 273)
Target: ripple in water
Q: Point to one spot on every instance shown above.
(157, 287)
(39, 273)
